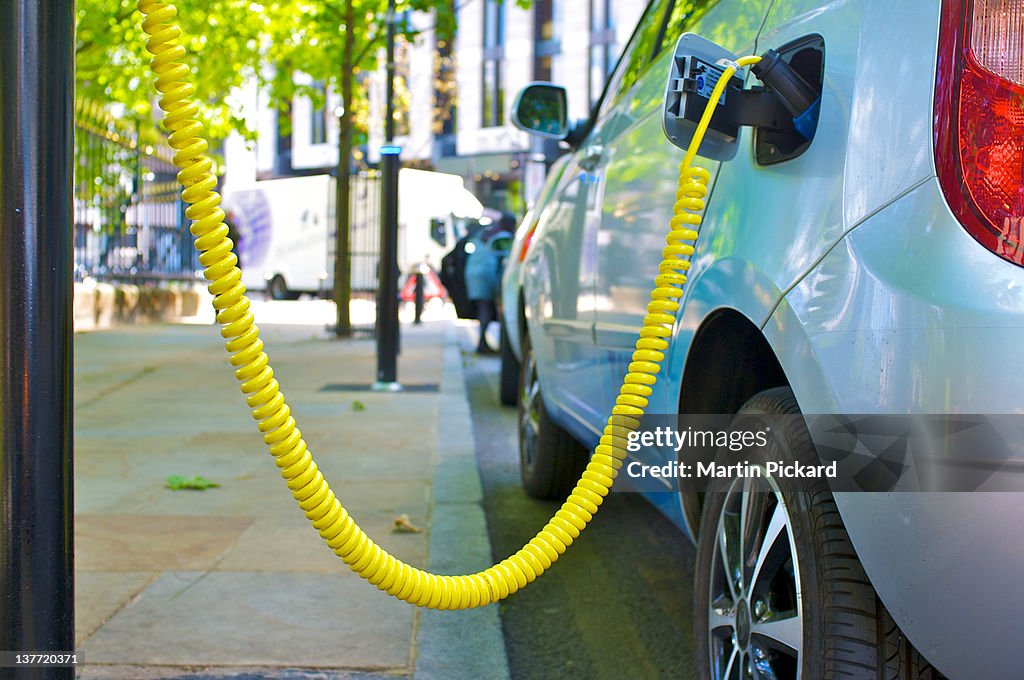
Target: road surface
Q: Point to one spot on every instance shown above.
(618, 603)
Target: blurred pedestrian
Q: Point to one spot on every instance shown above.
(234, 235)
(485, 256)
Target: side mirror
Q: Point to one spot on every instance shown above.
(541, 109)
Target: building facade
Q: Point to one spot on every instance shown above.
(501, 48)
(456, 97)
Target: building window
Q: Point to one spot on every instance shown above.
(445, 100)
(602, 47)
(494, 42)
(544, 20)
(545, 39)
(403, 96)
(318, 115)
(283, 144)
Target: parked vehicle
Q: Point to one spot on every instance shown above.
(511, 288)
(472, 271)
(282, 227)
(286, 228)
(876, 269)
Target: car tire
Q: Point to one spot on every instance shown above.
(799, 604)
(277, 289)
(508, 384)
(550, 460)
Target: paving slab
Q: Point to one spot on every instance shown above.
(233, 582)
(284, 619)
(292, 544)
(153, 542)
(99, 595)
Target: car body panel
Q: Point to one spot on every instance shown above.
(891, 338)
(929, 335)
(880, 75)
(512, 277)
(563, 308)
(871, 295)
(635, 172)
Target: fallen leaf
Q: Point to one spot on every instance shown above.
(404, 526)
(178, 483)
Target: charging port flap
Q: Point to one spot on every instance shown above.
(695, 71)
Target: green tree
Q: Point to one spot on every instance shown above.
(226, 42)
(234, 42)
(333, 42)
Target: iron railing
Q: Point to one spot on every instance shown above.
(364, 243)
(129, 221)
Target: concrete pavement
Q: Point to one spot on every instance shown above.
(233, 581)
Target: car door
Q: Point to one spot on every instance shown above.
(640, 174)
(574, 367)
(562, 297)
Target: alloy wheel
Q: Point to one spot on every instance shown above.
(755, 622)
(529, 412)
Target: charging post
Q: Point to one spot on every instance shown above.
(36, 509)
(387, 269)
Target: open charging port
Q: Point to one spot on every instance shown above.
(805, 56)
(783, 111)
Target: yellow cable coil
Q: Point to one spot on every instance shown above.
(273, 415)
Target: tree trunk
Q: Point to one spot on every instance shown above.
(343, 194)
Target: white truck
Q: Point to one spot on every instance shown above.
(285, 228)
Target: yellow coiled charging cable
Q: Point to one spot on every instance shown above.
(252, 366)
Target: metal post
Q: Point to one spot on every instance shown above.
(418, 297)
(36, 119)
(387, 289)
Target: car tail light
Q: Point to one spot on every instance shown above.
(979, 120)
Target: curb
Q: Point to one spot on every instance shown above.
(465, 644)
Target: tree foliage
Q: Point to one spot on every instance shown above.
(311, 37)
(234, 42)
(225, 39)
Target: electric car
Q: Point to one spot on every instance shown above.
(875, 268)
(511, 288)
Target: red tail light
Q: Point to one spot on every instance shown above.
(979, 120)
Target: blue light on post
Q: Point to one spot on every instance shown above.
(390, 150)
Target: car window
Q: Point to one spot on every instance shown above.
(733, 25)
(683, 16)
(657, 31)
(637, 54)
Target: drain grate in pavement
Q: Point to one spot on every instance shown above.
(367, 387)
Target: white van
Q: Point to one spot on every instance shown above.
(285, 228)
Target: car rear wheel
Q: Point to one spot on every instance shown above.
(277, 288)
(550, 460)
(779, 591)
(508, 385)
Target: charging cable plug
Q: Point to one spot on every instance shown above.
(799, 98)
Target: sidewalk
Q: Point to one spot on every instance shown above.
(233, 581)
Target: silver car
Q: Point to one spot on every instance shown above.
(875, 269)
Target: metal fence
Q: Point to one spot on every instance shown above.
(364, 243)
(130, 221)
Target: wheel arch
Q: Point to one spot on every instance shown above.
(729, 361)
